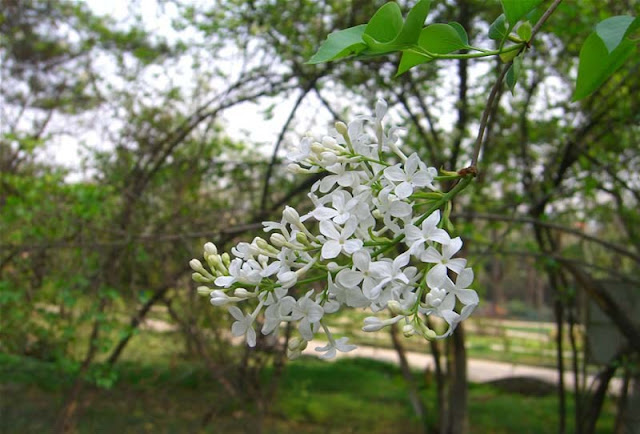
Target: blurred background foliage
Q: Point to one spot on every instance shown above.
(96, 303)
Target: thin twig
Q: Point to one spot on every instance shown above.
(494, 91)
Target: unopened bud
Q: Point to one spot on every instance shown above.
(341, 128)
(197, 277)
(294, 168)
(242, 293)
(204, 290)
(210, 249)
(297, 344)
(329, 158)
(291, 216)
(216, 263)
(226, 259)
(278, 240)
(302, 238)
(196, 265)
(317, 148)
(408, 330)
(395, 307)
(262, 243)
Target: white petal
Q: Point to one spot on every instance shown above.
(251, 337)
(236, 313)
(331, 249)
(411, 164)
(238, 328)
(437, 276)
(324, 213)
(467, 296)
(349, 278)
(400, 209)
(457, 265)
(362, 259)
(352, 246)
(431, 255)
(225, 281)
(465, 278)
(395, 173)
(451, 248)
(404, 190)
(328, 229)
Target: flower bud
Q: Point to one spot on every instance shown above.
(210, 249)
(408, 330)
(291, 216)
(226, 259)
(302, 238)
(341, 128)
(317, 148)
(215, 261)
(242, 293)
(395, 307)
(333, 266)
(296, 344)
(372, 324)
(196, 265)
(262, 243)
(197, 277)
(204, 290)
(219, 298)
(295, 168)
(328, 158)
(278, 240)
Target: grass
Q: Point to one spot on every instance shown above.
(347, 396)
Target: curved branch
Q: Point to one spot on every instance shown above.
(276, 148)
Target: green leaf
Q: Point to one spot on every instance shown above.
(340, 44)
(524, 31)
(498, 29)
(440, 39)
(381, 37)
(509, 55)
(514, 10)
(613, 30)
(597, 64)
(514, 73)
(415, 21)
(385, 24)
(461, 32)
(410, 59)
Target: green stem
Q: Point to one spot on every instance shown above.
(421, 51)
(445, 198)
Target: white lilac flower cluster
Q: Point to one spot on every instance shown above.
(381, 245)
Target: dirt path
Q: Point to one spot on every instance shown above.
(479, 371)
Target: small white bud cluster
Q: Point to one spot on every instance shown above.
(380, 245)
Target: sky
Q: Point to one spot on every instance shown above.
(241, 122)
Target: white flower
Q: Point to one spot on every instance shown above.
(333, 345)
(342, 176)
(243, 326)
(460, 288)
(416, 237)
(303, 152)
(339, 241)
(368, 272)
(352, 297)
(343, 204)
(309, 313)
(276, 313)
(414, 174)
(219, 298)
(443, 260)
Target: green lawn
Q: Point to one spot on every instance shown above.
(347, 396)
